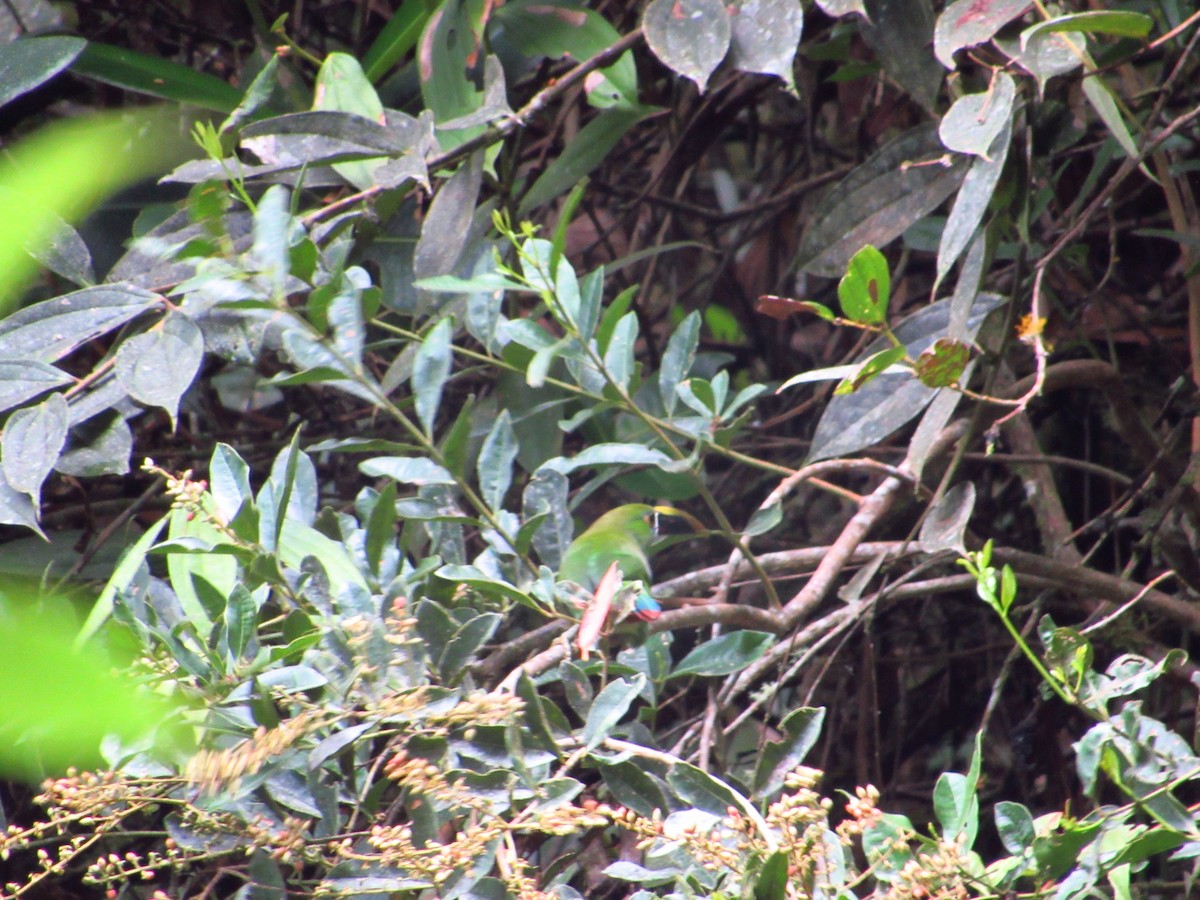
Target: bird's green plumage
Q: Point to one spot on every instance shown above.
(622, 535)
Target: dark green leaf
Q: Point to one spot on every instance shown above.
(583, 154)
(609, 708)
(801, 728)
(1014, 823)
(397, 38)
(772, 880)
(632, 787)
(702, 791)
(879, 200)
(51, 329)
(724, 655)
(461, 648)
(98, 447)
(155, 76)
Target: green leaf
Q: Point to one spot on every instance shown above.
(584, 153)
(942, 364)
(974, 122)
(725, 655)
(240, 621)
(1014, 823)
(431, 368)
(57, 702)
(956, 805)
(29, 62)
(406, 470)
(157, 77)
(448, 222)
(701, 790)
(1122, 23)
(343, 87)
(496, 458)
(562, 28)
(51, 329)
(801, 728)
(229, 482)
(1100, 95)
(121, 578)
(397, 38)
(612, 454)
(33, 438)
(772, 880)
(609, 708)
(678, 358)
(972, 202)
(632, 787)
(869, 369)
(618, 356)
(24, 380)
(461, 648)
(158, 366)
(865, 289)
(691, 37)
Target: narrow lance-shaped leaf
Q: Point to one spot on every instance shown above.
(431, 368)
(677, 359)
(610, 707)
(496, 458)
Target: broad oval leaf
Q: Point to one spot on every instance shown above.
(967, 23)
(942, 364)
(765, 36)
(725, 655)
(879, 200)
(974, 122)
(689, 36)
(96, 448)
(33, 438)
(866, 287)
(157, 367)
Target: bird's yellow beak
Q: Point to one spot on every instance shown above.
(697, 525)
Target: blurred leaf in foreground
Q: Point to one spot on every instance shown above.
(58, 702)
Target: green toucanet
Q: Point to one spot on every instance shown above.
(621, 535)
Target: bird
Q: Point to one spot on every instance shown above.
(622, 535)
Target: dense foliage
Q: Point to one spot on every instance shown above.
(892, 307)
